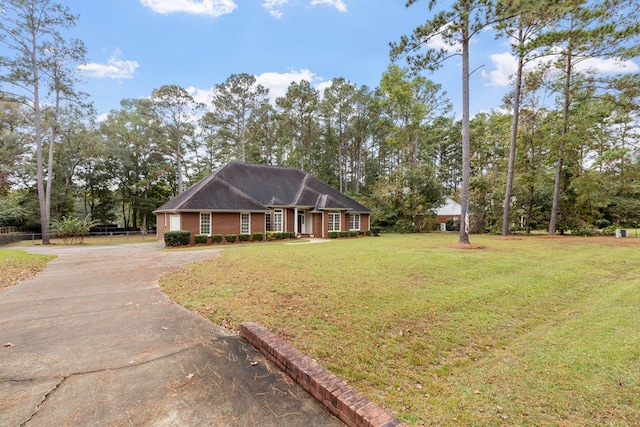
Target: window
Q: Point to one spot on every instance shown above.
(354, 222)
(205, 223)
(245, 223)
(277, 220)
(334, 221)
(267, 221)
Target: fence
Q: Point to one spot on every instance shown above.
(105, 236)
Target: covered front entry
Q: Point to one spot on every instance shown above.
(304, 222)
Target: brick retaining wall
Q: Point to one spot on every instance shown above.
(336, 395)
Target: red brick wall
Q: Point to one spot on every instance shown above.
(162, 224)
(225, 223)
(364, 222)
(317, 225)
(289, 223)
(257, 223)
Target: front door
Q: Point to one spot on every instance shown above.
(301, 227)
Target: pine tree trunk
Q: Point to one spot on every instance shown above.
(466, 146)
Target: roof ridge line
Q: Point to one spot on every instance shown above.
(203, 183)
(303, 185)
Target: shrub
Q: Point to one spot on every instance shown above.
(353, 234)
(258, 237)
(177, 238)
(376, 230)
(244, 237)
(231, 238)
(280, 236)
(603, 223)
(588, 231)
(333, 234)
(453, 224)
(291, 235)
(72, 230)
(344, 234)
(216, 238)
(200, 239)
(406, 226)
(271, 235)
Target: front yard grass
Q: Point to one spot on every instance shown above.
(16, 266)
(537, 331)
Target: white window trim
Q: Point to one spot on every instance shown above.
(210, 224)
(276, 213)
(332, 223)
(354, 216)
(248, 224)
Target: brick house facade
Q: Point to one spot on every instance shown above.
(244, 198)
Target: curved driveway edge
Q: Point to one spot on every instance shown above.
(94, 341)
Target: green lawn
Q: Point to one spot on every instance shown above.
(19, 265)
(530, 332)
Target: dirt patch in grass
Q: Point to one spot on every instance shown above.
(466, 246)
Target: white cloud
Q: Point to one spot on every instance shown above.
(194, 7)
(274, 7)
(338, 4)
(115, 68)
(506, 66)
(203, 96)
(438, 42)
(278, 83)
(608, 66)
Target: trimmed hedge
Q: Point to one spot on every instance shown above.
(258, 237)
(177, 238)
(333, 234)
(344, 234)
(216, 238)
(231, 238)
(200, 239)
(353, 233)
(244, 237)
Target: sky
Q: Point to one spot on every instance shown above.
(136, 46)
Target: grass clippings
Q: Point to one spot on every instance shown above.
(540, 332)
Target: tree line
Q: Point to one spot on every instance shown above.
(560, 153)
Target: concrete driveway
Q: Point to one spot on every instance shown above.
(92, 341)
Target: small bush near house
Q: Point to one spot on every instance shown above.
(216, 238)
(333, 234)
(376, 230)
(353, 234)
(271, 235)
(344, 234)
(177, 238)
(200, 239)
(244, 237)
(258, 237)
(231, 238)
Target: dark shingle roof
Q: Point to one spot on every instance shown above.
(252, 187)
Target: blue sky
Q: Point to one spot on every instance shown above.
(135, 46)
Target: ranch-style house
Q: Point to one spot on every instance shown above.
(246, 198)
